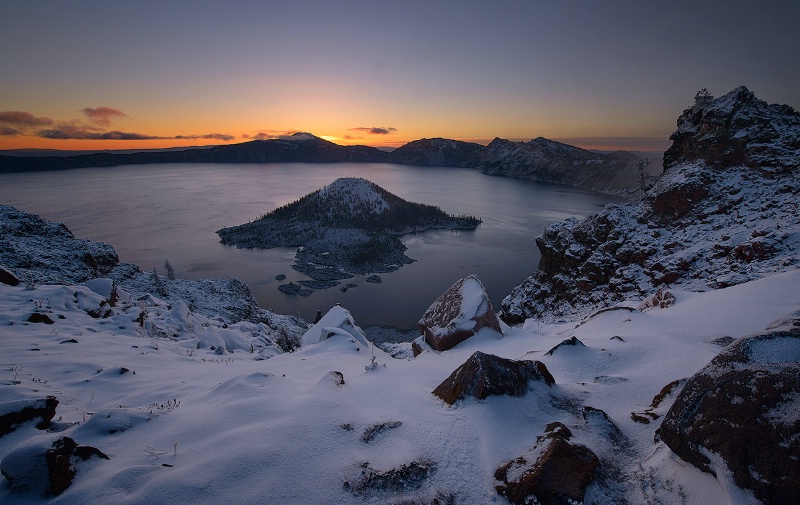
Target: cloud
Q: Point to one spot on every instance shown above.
(375, 130)
(102, 116)
(216, 136)
(26, 124)
(278, 135)
(23, 120)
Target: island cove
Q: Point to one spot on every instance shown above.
(349, 227)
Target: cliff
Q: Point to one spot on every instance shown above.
(723, 212)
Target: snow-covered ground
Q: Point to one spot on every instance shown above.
(184, 423)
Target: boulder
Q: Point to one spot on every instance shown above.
(16, 412)
(6, 277)
(46, 468)
(484, 375)
(741, 412)
(552, 472)
(337, 321)
(460, 312)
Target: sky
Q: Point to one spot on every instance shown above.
(599, 74)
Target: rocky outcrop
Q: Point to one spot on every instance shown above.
(546, 160)
(24, 237)
(15, 412)
(713, 219)
(741, 413)
(460, 312)
(737, 129)
(484, 375)
(552, 472)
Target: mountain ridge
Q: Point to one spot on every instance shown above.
(540, 159)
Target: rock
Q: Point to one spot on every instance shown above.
(484, 375)
(374, 430)
(337, 321)
(460, 312)
(38, 466)
(743, 407)
(552, 472)
(401, 479)
(374, 279)
(650, 414)
(660, 299)
(16, 412)
(6, 277)
(38, 317)
(570, 342)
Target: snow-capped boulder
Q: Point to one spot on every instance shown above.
(723, 212)
(16, 412)
(552, 472)
(44, 466)
(484, 375)
(460, 312)
(741, 414)
(337, 321)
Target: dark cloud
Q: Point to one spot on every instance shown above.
(23, 120)
(375, 130)
(102, 116)
(71, 132)
(8, 131)
(278, 135)
(216, 136)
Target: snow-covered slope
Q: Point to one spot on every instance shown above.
(183, 424)
(709, 222)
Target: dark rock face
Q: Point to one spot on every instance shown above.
(743, 406)
(484, 375)
(722, 213)
(552, 472)
(60, 465)
(460, 312)
(19, 411)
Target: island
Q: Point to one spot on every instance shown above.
(349, 227)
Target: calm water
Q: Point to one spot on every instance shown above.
(151, 213)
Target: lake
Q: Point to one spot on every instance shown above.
(153, 213)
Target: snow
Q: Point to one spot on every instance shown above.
(237, 428)
(355, 191)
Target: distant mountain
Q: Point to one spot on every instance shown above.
(300, 147)
(546, 160)
(540, 159)
(437, 152)
(348, 227)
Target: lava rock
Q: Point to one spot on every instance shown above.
(484, 375)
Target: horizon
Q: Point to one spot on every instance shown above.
(602, 76)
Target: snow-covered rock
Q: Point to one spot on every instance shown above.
(459, 313)
(744, 407)
(337, 321)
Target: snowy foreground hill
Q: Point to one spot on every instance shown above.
(182, 423)
(674, 379)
